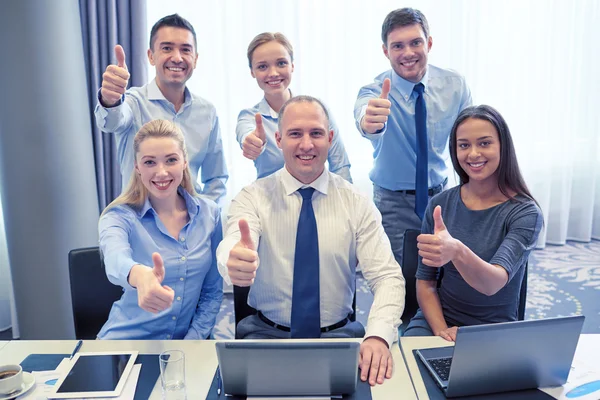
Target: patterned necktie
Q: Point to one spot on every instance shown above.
(421, 181)
(306, 312)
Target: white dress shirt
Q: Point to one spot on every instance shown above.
(350, 232)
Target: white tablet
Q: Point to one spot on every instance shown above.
(98, 374)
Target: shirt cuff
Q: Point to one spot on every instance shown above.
(125, 276)
(223, 271)
(114, 105)
(383, 330)
(375, 135)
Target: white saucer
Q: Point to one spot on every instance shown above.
(28, 382)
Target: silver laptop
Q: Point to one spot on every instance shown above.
(288, 367)
(505, 356)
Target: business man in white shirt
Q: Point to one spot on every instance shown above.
(304, 288)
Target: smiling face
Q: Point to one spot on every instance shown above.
(174, 56)
(478, 149)
(407, 48)
(160, 164)
(305, 139)
(272, 67)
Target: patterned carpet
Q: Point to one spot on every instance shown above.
(563, 280)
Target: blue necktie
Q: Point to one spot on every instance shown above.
(421, 181)
(306, 311)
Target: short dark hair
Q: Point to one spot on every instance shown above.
(509, 174)
(301, 99)
(176, 21)
(403, 17)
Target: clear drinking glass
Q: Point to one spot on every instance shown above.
(172, 374)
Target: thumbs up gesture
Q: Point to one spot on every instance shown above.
(439, 248)
(114, 80)
(254, 142)
(152, 295)
(243, 258)
(377, 111)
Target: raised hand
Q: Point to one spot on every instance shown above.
(243, 258)
(152, 296)
(440, 248)
(114, 80)
(254, 142)
(377, 111)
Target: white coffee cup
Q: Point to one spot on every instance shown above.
(10, 383)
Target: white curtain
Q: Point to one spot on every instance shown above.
(537, 62)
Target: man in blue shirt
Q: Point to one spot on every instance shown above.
(385, 114)
(120, 111)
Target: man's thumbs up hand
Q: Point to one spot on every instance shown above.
(378, 109)
(243, 258)
(114, 80)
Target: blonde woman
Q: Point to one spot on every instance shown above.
(271, 61)
(159, 240)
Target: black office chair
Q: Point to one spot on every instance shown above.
(523, 296)
(92, 294)
(241, 309)
(410, 261)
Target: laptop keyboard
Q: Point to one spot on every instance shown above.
(442, 367)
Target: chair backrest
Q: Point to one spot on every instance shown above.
(410, 261)
(92, 294)
(523, 296)
(242, 310)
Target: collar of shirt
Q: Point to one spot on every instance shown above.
(406, 87)
(154, 93)
(191, 206)
(291, 184)
(265, 109)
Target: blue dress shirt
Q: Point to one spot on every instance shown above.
(197, 119)
(271, 158)
(129, 236)
(446, 95)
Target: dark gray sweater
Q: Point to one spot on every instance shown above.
(504, 235)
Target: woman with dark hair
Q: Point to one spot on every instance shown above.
(271, 61)
(490, 225)
(159, 240)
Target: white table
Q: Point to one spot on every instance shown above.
(3, 343)
(588, 351)
(200, 359)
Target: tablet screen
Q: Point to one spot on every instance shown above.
(96, 373)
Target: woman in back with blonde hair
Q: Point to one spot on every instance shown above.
(159, 240)
(271, 62)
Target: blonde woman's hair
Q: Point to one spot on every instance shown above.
(267, 37)
(136, 193)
